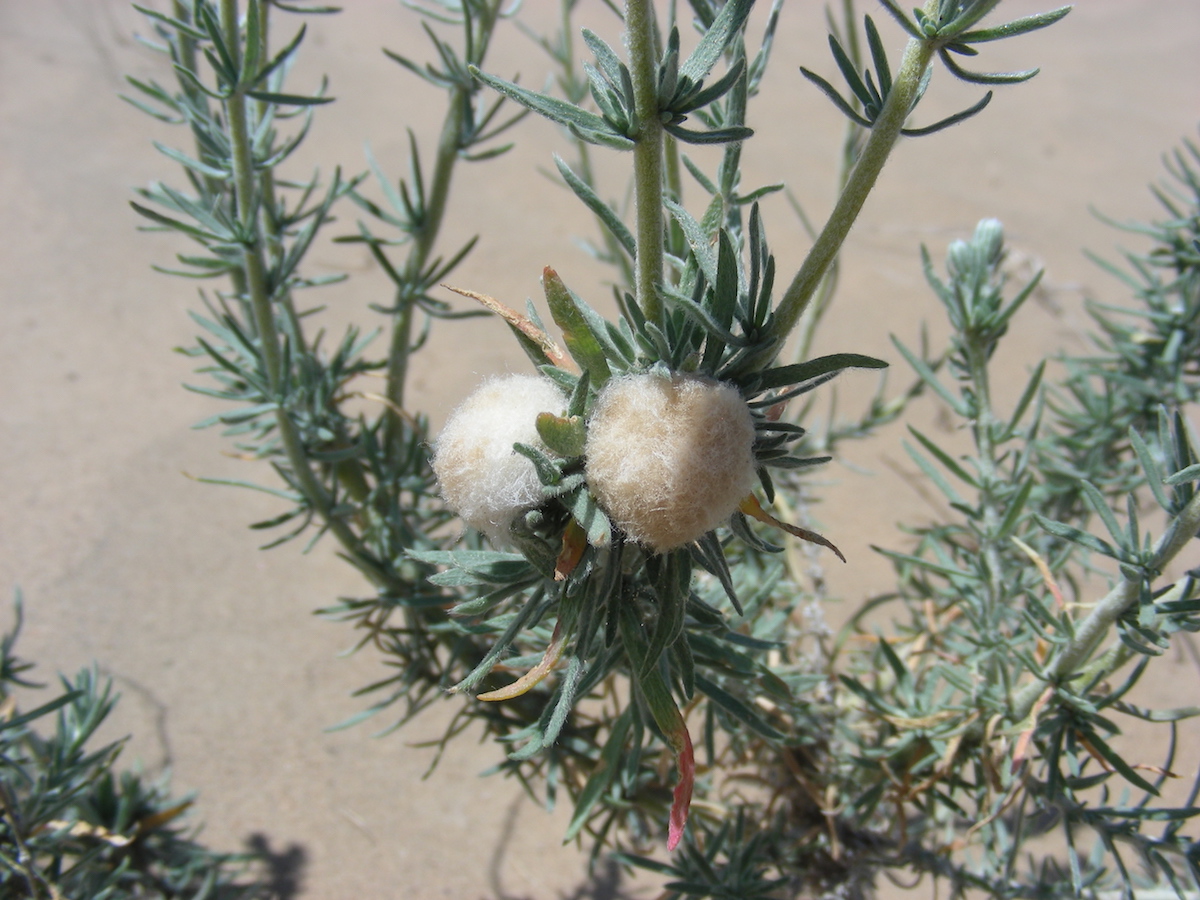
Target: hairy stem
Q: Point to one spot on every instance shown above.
(977, 352)
(884, 135)
(852, 140)
(1092, 630)
(647, 157)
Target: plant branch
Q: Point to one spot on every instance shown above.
(875, 152)
(449, 147)
(647, 157)
(1091, 631)
(423, 244)
(262, 306)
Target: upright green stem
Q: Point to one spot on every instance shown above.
(977, 352)
(262, 307)
(246, 201)
(884, 134)
(647, 157)
(423, 244)
(266, 179)
(448, 148)
(852, 140)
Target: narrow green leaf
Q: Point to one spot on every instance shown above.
(716, 39)
(1191, 473)
(1076, 536)
(1154, 475)
(903, 676)
(1115, 760)
(708, 552)
(605, 213)
(1027, 396)
(591, 518)
(1099, 505)
(740, 710)
(715, 136)
(587, 125)
(902, 20)
(194, 164)
(582, 341)
(944, 458)
(176, 24)
(288, 99)
(1016, 507)
(1016, 77)
(846, 65)
(922, 563)
(718, 336)
(703, 180)
(190, 230)
(525, 613)
(879, 57)
(1015, 27)
(279, 59)
(927, 375)
(949, 121)
(56, 703)
(607, 767)
(698, 99)
(797, 373)
(671, 593)
(831, 92)
(610, 64)
(934, 475)
(699, 240)
(252, 47)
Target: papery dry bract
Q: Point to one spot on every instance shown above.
(480, 475)
(669, 457)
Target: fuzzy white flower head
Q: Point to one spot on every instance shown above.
(669, 457)
(480, 475)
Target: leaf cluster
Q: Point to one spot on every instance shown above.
(1144, 355)
(989, 717)
(681, 88)
(72, 825)
(948, 31)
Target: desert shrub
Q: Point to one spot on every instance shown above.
(607, 596)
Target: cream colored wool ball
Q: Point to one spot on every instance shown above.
(669, 457)
(481, 477)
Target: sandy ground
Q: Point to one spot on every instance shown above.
(228, 681)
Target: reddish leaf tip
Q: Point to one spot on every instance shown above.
(683, 792)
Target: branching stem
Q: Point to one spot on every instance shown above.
(1092, 630)
(262, 307)
(884, 135)
(449, 147)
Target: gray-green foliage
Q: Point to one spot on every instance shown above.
(72, 825)
(985, 719)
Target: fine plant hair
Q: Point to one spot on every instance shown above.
(72, 824)
(663, 679)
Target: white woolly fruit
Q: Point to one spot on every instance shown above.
(481, 477)
(669, 457)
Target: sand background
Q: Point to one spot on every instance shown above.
(227, 679)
